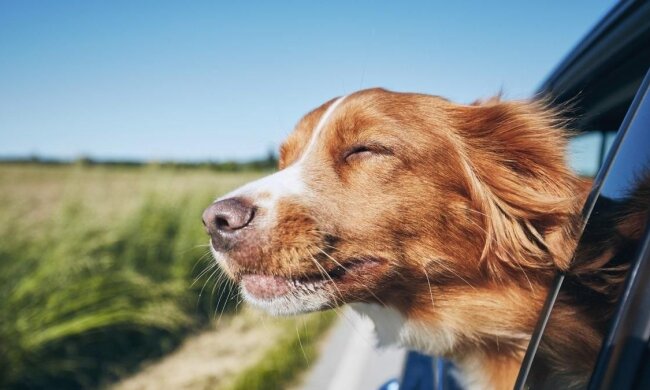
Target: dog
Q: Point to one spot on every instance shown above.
(444, 223)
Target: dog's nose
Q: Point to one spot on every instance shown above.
(224, 218)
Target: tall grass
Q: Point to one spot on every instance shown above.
(85, 295)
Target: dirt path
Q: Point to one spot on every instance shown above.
(211, 359)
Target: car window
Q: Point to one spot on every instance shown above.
(609, 140)
(584, 308)
(588, 150)
(585, 153)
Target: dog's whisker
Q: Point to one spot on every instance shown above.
(200, 259)
(218, 283)
(450, 270)
(525, 275)
(231, 288)
(325, 274)
(204, 284)
(362, 284)
(429, 284)
(333, 259)
(202, 273)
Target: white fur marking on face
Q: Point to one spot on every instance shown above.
(266, 191)
(218, 256)
(319, 128)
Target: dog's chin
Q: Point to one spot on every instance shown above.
(283, 296)
(324, 289)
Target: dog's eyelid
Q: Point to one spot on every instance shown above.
(373, 148)
(365, 150)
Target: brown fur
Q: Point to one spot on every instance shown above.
(466, 211)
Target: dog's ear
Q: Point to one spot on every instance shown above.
(514, 158)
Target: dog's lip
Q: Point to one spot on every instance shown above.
(267, 287)
(270, 286)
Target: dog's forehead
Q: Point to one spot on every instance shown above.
(297, 141)
(361, 112)
(346, 117)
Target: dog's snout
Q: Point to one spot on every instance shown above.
(225, 217)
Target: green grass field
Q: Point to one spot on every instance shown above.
(99, 271)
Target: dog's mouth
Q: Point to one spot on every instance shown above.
(338, 282)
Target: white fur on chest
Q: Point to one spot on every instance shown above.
(393, 328)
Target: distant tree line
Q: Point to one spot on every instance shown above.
(269, 162)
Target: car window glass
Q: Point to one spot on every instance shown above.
(609, 140)
(584, 153)
(587, 151)
(588, 297)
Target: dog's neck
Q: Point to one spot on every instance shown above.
(485, 335)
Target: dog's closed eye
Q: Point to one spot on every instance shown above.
(362, 152)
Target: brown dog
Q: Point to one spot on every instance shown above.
(445, 223)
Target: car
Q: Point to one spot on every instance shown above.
(605, 81)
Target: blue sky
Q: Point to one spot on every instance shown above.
(218, 80)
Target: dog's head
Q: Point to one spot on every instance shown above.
(381, 195)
